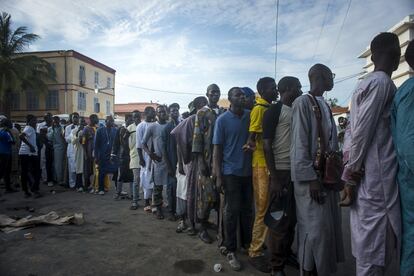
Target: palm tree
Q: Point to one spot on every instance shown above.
(19, 72)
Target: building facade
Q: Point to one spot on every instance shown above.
(405, 31)
(82, 85)
(126, 108)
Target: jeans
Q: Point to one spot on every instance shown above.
(238, 200)
(30, 171)
(171, 194)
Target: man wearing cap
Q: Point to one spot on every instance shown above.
(250, 98)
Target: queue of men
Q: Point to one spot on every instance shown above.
(272, 170)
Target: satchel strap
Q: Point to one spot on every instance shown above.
(318, 114)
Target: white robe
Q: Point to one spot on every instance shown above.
(79, 151)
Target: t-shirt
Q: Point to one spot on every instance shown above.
(256, 120)
(30, 133)
(6, 141)
(279, 132)
(232, 132)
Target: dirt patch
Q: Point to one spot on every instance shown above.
(190, 266)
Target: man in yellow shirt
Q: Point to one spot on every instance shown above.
(266, 88)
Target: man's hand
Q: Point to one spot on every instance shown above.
(219, 183)
(249, 146)
(142, 163)
(315, 190)
(348, 195)
(181, 169)
(275, 188)
(32, 149)
(155, 157)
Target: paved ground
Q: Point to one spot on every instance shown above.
(113, 241)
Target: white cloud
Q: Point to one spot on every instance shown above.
(186, 45)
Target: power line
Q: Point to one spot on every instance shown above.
(340, 30)
(322, 27)
(157, 90)
(276, 35)
(345, 78)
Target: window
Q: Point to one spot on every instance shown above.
(108, 108)
(53, 65)
(15, 103)
(52, 99)
(96, 78)
(81, 100)
(96, 106)
(82, 75)
(32, 101)
(108, 82)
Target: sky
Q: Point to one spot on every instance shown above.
(184, 45)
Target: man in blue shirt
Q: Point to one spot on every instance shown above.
(233, 172)
(6, 142)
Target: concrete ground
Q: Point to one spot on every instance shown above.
(113, 241)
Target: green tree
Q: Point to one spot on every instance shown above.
(333, 102)
(19, 72)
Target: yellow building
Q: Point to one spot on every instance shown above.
(405, 31)
(82, 85)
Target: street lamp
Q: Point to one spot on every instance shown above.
(99, 89)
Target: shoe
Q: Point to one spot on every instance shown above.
(117, 196)
(277, 273)
(27, 195)
(192, 231)
(260, 263)
(101, 193)
(50, 184)
(172, 217)
(223, 250)
(37, 195)
(182, 226)
(92, 191)
(205, 237)
(123, 193)
(147, 209)
(159, 214)
(233, 262)
(80, 190)
(134, 206)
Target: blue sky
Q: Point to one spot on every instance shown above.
(184, 45)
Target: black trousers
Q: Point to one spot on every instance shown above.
(30, 172)
(238, 202)
(5, 169)
(281, 239)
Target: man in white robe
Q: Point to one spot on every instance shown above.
(372, 166)
(70, 152)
